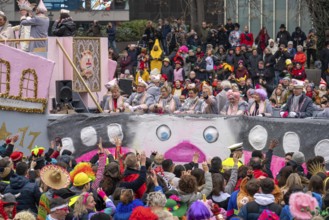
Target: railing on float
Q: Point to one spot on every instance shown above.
(16, 41)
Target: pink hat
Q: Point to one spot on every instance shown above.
(302, 205)
(231, 94)
(184, 49)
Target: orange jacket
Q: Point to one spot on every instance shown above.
(300, 57)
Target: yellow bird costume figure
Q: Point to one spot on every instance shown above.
(156, 56)
(145, 76)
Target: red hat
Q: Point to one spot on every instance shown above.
(164, 76)
(16, 156)
(178, 62)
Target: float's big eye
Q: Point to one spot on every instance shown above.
(163, 132)
(210, 134)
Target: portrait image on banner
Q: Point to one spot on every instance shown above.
(86, 56)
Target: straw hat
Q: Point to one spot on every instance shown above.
(55, 177)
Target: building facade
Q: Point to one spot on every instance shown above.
(269, 13)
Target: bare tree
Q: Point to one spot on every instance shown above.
(319, 10)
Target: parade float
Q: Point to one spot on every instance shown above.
(28, 91)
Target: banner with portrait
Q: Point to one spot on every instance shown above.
(87, 58)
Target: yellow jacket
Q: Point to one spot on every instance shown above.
(229, 164)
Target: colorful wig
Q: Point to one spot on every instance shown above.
(262, 94)
(143, 213)
(83, 167)
(198, 210)
(231, 94)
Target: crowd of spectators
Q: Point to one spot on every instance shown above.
(221, 71)
(52, 185)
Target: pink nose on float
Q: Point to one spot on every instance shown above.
(183, 152)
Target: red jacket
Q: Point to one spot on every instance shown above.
(299, 74)
(247, 38)
(129, 176)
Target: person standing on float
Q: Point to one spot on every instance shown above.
(39, 27)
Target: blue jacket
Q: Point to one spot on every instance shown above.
(123, 211)
(165, 30)
(29, 193)
(232, 204)
(285, 213)
(111, 34)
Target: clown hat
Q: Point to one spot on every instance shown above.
(141, 82)
(37, 151)
(111, 83)
(41, 7)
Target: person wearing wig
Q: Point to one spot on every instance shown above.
(260, 106)
(205, 210)
(85, 205)
(234, 106)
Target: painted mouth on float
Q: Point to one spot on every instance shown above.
(87, 156)
(183, 152)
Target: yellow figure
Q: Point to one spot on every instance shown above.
(145, 76)
(156, 56)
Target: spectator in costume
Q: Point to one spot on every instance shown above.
(39, 27)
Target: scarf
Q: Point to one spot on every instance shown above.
(257, 108)
(167, 104)
(190, 104)
(139, 99)
(295, 103)
(233, 108)
(119, 103)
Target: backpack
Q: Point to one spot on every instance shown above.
(270, 212)
(268, 215)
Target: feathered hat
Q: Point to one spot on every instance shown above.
(24, 5)
(302, 206)
(83, 167)
(41, 7)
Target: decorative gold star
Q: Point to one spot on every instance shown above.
(3, 132)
